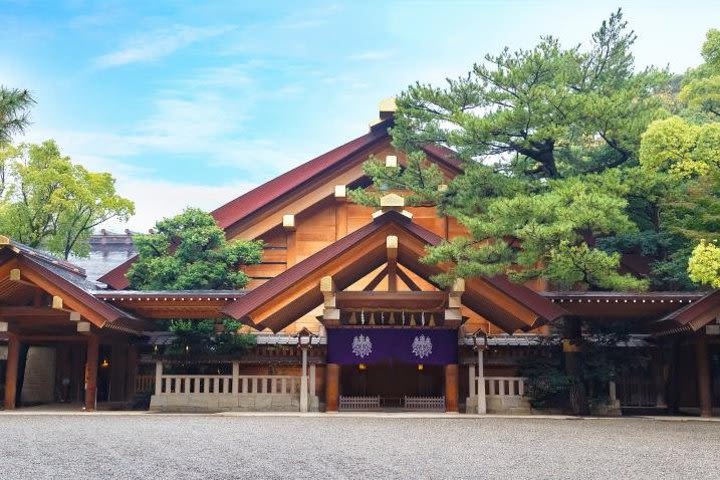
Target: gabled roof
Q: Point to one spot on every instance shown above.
(275, 190)
(246, 204)
(298, 289)
(61, 278)
(690, 318)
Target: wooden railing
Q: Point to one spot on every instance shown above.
(359, 403)
(425, 403)
(504, 386)
(226, 384)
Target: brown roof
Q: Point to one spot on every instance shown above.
(690, 318)
(544, 309)
(246, 204)
(274, 190)
(70, 280)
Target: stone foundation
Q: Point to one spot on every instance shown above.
(200, 403)
(501, 405)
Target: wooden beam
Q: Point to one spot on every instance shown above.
(391, 242)
(376, 280)
(288, 221)
(57, 302)
(341, 211)
(407, 280)
(291, 246)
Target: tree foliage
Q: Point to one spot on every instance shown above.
(15, 106)
(550, 138)
(190, 252)
(49, 202)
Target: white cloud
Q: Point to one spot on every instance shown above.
(158, 44)
(157, 199)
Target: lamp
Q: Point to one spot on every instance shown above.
(105, 363)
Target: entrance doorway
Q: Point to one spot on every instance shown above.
(392, 386)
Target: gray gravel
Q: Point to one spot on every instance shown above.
(173, 446)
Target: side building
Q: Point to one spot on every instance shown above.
(344, 313)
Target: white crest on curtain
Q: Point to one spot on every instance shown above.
(361, 346)
(422, 346)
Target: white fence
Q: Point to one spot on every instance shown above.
(504, 386)
(227, 384)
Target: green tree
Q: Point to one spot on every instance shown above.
(546, 112)
(190, 252)
(52, 203)
(15, 106)
(546, 135)
(701, 89)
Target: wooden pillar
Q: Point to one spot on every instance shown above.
(304, 382)
(131, 371)
(482, 398)
(11, 372)
(673, 393)
(572, 356)
(332, 387)
(703, 376)
(451, 388)
(91, 371)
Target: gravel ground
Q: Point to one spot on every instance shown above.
(174, 446)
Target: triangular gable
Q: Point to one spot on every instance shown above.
(286, 297)
(64, 280)
(238, 212)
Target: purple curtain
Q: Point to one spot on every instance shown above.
(351, 346)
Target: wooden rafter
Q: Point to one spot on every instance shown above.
(408, 281)
(376, 280)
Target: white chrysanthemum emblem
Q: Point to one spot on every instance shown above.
(422, 346)
(361, 346)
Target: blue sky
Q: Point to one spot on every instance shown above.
(193, 103)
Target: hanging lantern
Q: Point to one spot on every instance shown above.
(362, 366)
(421, 367)
(105, 363)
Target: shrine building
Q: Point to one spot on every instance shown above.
(345, 316)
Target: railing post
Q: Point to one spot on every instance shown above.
(158, 377)
(235, 377)
(312, 380)
(304, 383)
(482, 400)
(472, 380)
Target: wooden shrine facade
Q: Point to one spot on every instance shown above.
(334, 269)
